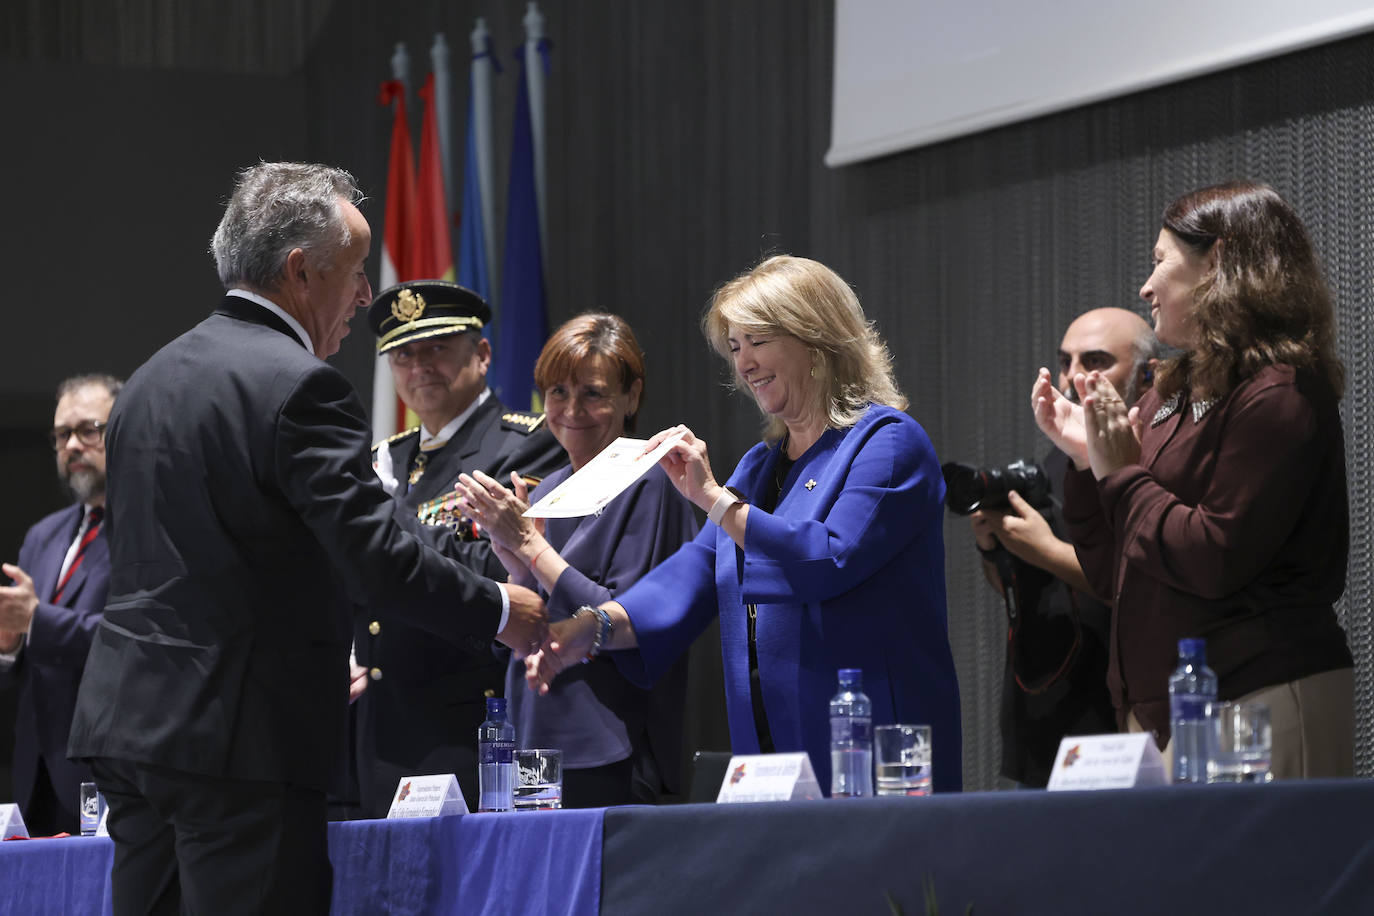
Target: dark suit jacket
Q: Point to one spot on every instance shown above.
(245, 524)
(48, 670)
(421, 715)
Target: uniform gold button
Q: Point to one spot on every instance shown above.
(374, 628)
(376, 674)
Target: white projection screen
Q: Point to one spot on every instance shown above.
(914, 72)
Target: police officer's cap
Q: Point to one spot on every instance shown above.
(424, 308)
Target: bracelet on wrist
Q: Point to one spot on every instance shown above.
(604, 628)
(535, 562)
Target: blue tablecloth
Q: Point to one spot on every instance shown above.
(531, 862)
(58, 876)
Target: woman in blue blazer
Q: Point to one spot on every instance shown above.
(824, 550)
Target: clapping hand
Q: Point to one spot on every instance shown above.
(1060, 419)
(1112, 431)
(499, 511)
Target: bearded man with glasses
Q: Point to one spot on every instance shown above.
(52, 606)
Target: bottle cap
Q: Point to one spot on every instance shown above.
(849, 676)
(1192, 648)
(496, 705)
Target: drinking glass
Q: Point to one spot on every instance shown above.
(1242, 742)
(539, 779)
(901, 759)
(92, 809)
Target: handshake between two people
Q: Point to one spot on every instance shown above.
(1098, 431)
(531, 561)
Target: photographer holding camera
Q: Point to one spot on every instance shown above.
(1056, 661)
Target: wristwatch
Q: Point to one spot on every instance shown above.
(723, 503)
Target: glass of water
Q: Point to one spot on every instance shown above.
(539, 779)
(901, 760)
(92, 809)
(1242, 742)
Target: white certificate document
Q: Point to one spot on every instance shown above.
(601, 480)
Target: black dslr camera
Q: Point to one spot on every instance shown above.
(968, 489)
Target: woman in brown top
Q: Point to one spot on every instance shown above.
(1216, 507)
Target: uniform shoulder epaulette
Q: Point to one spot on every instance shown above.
(520, 421)
(392, 440)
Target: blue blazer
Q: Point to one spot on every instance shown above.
(48, 670)
(848, 571)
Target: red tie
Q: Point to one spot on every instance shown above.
(92, 529)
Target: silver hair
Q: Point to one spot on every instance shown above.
(277, 207)
(110, 383)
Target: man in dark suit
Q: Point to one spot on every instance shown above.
(245, 524)
(425, 698)
(48, 614)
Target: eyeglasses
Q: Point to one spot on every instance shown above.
(90, 433)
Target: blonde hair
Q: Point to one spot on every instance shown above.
(809, 301)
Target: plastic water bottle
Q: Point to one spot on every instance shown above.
(496, 759)
(1191, 687)
(851, 738)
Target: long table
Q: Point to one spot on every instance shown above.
(1281, 848)
(531, 862)
(1288, 847)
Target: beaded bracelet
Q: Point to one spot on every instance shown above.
(604, 627)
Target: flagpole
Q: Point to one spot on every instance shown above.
(443, 84)
(483, 64)
(398, 236)
(400, 68)
(522, 319)
(534, 72)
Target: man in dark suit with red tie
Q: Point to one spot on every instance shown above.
(246, 522)
(48, 613)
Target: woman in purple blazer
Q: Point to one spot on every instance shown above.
(621, 743)
(824, 551)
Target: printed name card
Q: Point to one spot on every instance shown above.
(428, 796)
(768, 777)
(11, 822)
(1108, 762)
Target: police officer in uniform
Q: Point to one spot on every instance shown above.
(425, 698)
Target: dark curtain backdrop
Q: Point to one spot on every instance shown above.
(685, 141)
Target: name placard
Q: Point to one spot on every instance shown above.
(428, 796)
(11, 822)
(1107, 762)
(768, 777)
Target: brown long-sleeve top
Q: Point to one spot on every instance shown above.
(1234, 527)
